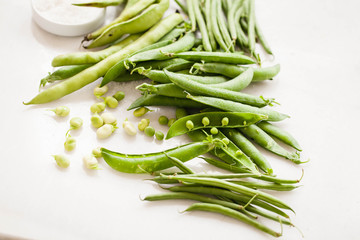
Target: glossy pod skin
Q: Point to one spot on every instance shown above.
(99, 4)
(224, 57)
(98, 70)
(151, 162)
(238, 83)
(235, 120)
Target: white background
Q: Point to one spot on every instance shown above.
(317, 45)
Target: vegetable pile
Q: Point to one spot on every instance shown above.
(200, 67)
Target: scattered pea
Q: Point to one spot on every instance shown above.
(96, 152)
(98, 107)
(180, 112)
(143, 124)
(119, 95)
(225, 121)
(61, 111)
(109, 118)
(149, 131)
(75, 123)
(171, 121)
(205, 121)
(61, 160)
(105, 131)
(99, 91)
(159, 135)
(141, 111)
(189, 124)
(91, 162)
(96, 120)
(70, 143)
(214, 131)
(163, 120)
(111, 102)
(129, 128)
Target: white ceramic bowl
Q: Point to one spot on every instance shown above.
(54, 19)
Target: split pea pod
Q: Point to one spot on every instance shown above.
(77, 58)
(92, 73)
(203, 89)
(232, 106)
(149, 17)
(215, 119)
(151, 162)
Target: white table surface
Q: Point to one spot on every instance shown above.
(317, 45)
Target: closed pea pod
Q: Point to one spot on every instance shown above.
(238, 83)
(216, 119)
(143, 124)
(99, 4)
(98, 107)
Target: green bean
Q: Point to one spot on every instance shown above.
(208, 25)
(156, 100)
(200, 88)
(99, 3)
(268, 186)
(138, 163)
(231, 19)
(172, 63)
(224, 165)
(148, 18)
(214, 25)
(265, 141)
(241, 37)
(229, 70)
(251, 25)
(202, 26)
(223, 28)
(209, 207)
(232, 106)
(261, 38)
(77, 58)
(224, 57)
(173, 34)
(180, 164)
(63, 73)
(182, 6)
(191, 14)
(92, 73)
(132, 8)
(249, 149)
(238, 83)
(235, 120)
(230, 195)
(280, 134)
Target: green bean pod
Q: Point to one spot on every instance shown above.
(174, 34)
(99, 4)
(151, 162)
(202, 26)
(98, 70)
(214, 24)
(208, 19)
(268, 186)
(235, 120)
(148, 18)
(223, 57)
(180, 165)
(225, 166)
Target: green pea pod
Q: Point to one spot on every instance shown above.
(138, 24)
(238, 83)
(268, 186)
(235, 120)
(151, 162)
(100, 3)
(223, 57)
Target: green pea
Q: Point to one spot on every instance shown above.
(225, 121)
(98, 107)
(163, 120)
(62, 161)
(70, 143)
(159, 135)
(214, 131)
(143, 124)
(180, 112)
(141, 111)
(238, 153)
(109, 118)
(119, 95)
(96, 152)
(91, 162)
(96, 120)
(105, 131)
(226, 141)
(149, 131)
(76, 123)
(205, 121)
(99, 91)
(171, 121)
(129, 128)
(189, 124)
(111, 102)
(61, 111)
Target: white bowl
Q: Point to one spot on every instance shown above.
(66, 20)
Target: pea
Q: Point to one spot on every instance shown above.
(98, 107)
(189, 124)
(149, 131)
(111, 102)
(180, 112)
(159, 135)
(225, 121)
(171, 121)
(143, 124)
(226, 141)
(214, 131)
(205, 121)
(163, 120)
(141, 111)
(119, 95)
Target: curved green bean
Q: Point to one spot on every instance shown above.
(214, 25)
(223, 57)
(223, 28)
(208, 18)
(202, 26)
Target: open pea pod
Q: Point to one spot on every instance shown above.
(213, 119)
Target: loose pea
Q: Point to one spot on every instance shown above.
(111, 102)
(105, 131)
(171, 121)
(108, 118)
(99, 91)
(159, 135)
(214, 131)
(70, 143)
(189, 124)
(91, 162)
(61, 111)
(180, 112)
(225, 121)
(205, 121)
(76, 123)
(143, 124)
(98, 107)
(119, 95)
(141, 111)
(96, 121)
(61, 160)
(149, 131)
(163, 120)
(129, 128)
(96, 152)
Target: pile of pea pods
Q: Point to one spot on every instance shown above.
(199, 61)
